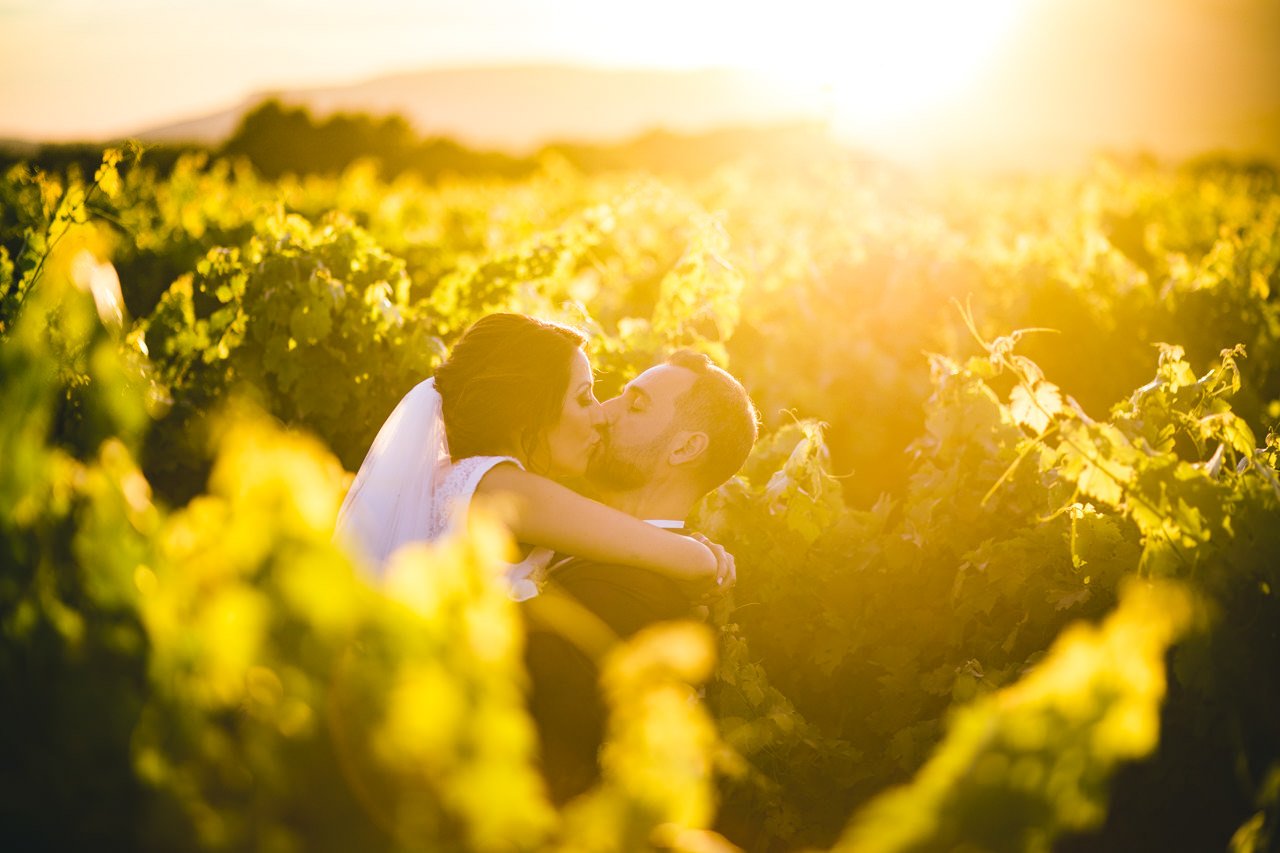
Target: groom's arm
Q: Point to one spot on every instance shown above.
(626, 598)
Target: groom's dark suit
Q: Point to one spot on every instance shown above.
(626, 598)
(564, 699)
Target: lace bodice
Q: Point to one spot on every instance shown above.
(457, 487)
(453, 502)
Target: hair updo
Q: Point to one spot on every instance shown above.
(503, 385)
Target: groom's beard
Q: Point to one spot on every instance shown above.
(624, 469)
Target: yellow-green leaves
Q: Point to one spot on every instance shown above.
(698, 298)
(1035, 407)
(107, 178)
(1099, 459)
(803, 491)
(455, 735)
(656, 764)
(1032, 761)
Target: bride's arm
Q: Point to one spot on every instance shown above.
(551, 515)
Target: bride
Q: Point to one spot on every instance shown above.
(509, 412)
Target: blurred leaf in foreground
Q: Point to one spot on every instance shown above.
(1033, 761)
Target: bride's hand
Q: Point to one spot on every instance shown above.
(726, 569)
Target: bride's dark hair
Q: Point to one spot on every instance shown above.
(503, 384)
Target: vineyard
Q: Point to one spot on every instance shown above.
(1008, 548)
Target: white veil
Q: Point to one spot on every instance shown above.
(392, 501)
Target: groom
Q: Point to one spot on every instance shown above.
(676, 432)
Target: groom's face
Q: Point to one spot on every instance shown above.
(640, 424)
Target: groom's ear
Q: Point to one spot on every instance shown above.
(690, 448)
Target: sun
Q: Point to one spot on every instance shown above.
(877, 62)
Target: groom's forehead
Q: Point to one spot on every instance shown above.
(662, 382)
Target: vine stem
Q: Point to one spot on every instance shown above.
(1097, 462)
(994, 352)
(1008, 472)
(52, 240)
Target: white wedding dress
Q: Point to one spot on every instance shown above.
(408, 491)
(453, 503)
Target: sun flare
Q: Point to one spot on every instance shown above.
(875, 62)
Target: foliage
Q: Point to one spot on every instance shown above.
(76, 524)
(1023, 764)
(942, 556)
(279, 140)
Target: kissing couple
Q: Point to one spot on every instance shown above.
(512, 412)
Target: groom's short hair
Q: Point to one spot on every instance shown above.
(717, 405)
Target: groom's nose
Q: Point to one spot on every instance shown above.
(611, 408)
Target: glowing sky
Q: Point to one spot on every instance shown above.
(97, 69)
(87, 67)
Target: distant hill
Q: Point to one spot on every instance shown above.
(211, 130)
(519, 109)
(19, 147)
(1172, 78)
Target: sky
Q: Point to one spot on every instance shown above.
(76, 67)
(85, 69)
